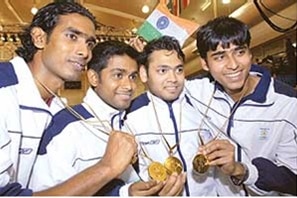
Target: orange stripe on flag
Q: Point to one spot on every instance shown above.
(187, 25)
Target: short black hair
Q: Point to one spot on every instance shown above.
(163, 43)
(105, 50)
(47, 18)
(223, 30)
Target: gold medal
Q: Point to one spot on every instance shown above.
(157, 171)
(173, 164)
(200, 163)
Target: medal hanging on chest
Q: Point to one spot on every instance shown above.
(171, 164)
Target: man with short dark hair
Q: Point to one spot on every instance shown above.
(56, 47)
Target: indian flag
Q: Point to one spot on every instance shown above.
(161, 22)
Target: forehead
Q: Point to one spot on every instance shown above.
(230, 47)
(76, 21)
(164, 56)
(122, 62)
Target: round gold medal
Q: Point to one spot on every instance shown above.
(173, 164)
(200, 163)
(157, 171)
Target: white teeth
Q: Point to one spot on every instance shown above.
(233, 75)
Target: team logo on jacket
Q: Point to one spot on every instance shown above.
(26, 151)
(264, 132)
(150, 142)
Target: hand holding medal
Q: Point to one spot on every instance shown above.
(200, 161)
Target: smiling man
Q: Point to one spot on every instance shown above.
(56, 47)
(77, 137)
(251, 115)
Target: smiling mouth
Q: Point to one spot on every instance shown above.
(126, 96)
(78, 65)
(233, 75)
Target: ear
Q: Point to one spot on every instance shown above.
(204, 64)
(38, 37)
(93, 77)
(143, 74)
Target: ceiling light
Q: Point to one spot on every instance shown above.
(34, 10)
(145, 9)
(226, 1)
(134, 30)
(205, 5)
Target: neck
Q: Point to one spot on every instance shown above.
(47, 83)
(248, 87)
(46, 93)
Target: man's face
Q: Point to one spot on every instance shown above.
(68, 48)
(165, 76)
(230, 66)
(117, 82)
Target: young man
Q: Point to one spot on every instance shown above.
(82, 131)
(252, 115)
(56, 47)
(164, 120)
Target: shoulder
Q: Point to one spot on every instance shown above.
(284, 89)
(61, 120)
(7, 75)
(138, 102)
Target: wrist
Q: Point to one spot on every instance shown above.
(240, 174)
(107, 169)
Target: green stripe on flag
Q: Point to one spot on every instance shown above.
(148, 32)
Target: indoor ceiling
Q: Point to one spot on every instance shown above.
(123, 16)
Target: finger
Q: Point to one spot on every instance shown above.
(153, 190)
(173, 185)
(178, 186)
(145, 188)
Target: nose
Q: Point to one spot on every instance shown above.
(83, 50)
(172, 76)
(127, 84)
(232, 62)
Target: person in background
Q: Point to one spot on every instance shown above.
(77, 135)
(252, 116)
(56, 47)
(164, 120)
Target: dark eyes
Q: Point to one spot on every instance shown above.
(177, 70)
(74, 37)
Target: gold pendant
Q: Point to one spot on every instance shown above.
(200, 163)
(157, 171)
(173, 164)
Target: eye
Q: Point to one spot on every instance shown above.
(179, 70)
(162, 71)
(240, 52)
(71, 36)
(219, 57)
(118, 75)
(134, 77)
(91, 44)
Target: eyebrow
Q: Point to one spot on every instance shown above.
(122, 70)
(224, 51)
(86, 36)
(166, 66)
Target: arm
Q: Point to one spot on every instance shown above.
(261, 175)
(119, 151)
(8, 118)
(282, 180)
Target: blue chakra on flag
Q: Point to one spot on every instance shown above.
(162, 22)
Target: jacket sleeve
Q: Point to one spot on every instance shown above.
(112, 188)
(14, 189)
(275, 178)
